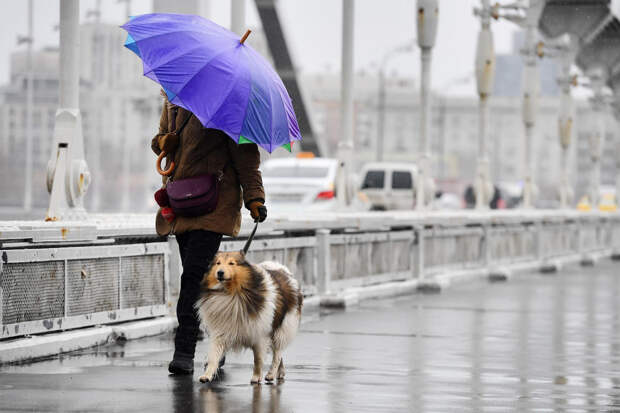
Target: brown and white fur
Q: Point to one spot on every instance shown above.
(243, 305)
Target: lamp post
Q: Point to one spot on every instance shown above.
(531, 52)
(29, 107)
(615, 87)
(485, 75)
(68, 176)
(345, 146)
(526, 16)
(237, 16)
(597, 76)
(382, 96)
(427, 19)
(566, 56)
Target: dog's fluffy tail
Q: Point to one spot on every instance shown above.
(275, 266)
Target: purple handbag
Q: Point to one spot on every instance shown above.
(195, 196)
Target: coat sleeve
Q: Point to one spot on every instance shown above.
(246, 160)
(163, 129)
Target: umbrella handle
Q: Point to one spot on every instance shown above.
(168, 171)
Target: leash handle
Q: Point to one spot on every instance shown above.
(250, 238)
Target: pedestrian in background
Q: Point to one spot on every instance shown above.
(197, 151)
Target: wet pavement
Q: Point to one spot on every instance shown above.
(536, 343)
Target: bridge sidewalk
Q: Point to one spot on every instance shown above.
(540, 341)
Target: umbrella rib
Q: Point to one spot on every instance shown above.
(173, 59)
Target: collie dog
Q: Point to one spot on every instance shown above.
(243, 305)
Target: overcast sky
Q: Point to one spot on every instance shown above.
(313, 31)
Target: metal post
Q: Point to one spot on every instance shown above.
(420, 233)
(68, 127)
(485, 75)
(565, 117)
(323, 261)
(345, 146)
(427, 19)
(125, 204)
(565, 124)
(617, 200)
(205, 8)
(237, 16)
(425, 127)
(381, 115)
(597, 135)
(69, 54)
(127, 7)
(531, 86)
(29, 108)
(482, 182)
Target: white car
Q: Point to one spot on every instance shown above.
(300, 184)
(389, 185)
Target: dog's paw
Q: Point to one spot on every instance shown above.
(255, 380)
(204, 379)
(281, 375)
(269, 377)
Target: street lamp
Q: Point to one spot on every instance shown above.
(485, 75)
(564, 49)
(598, 78)
(68, 176)
(29, 106)
(406, 48)
(427, 20)
(526, 16)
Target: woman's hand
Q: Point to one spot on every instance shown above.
(258, 210)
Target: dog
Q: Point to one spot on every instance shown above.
(243, 305)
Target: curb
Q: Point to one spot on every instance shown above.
(41, 346)
(437, 283)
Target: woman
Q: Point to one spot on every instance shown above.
(199, 151)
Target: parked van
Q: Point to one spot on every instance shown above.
(389, 185)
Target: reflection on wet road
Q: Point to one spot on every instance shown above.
(544, 343)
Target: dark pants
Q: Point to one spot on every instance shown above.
(197, 249)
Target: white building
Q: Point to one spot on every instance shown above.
(454, 139)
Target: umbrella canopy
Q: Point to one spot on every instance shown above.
(205, 69)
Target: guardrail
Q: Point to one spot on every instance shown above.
(58, 276)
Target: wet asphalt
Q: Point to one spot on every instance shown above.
(535, 343)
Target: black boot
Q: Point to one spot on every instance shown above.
(184, 349)
(181, 364)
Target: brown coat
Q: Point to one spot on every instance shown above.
(204, 151)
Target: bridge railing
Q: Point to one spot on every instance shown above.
(63, 276)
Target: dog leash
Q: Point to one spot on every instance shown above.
(250, 238)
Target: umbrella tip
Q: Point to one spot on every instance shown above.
(245, 36)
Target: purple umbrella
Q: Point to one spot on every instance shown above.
(209, 71)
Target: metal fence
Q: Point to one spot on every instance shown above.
(50, 289)
(47, 285)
